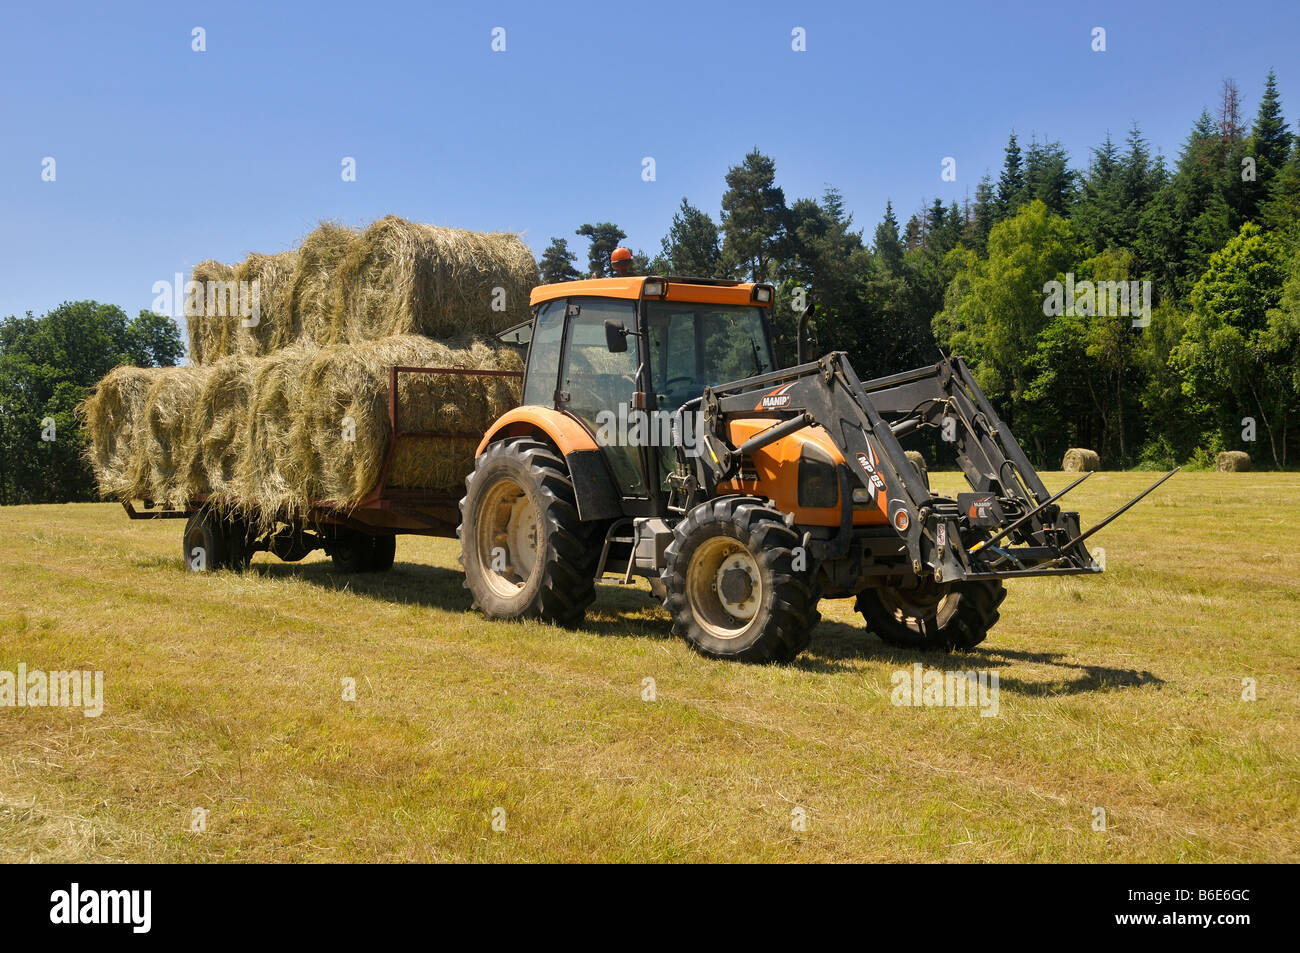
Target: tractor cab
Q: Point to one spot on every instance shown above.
(620, 357)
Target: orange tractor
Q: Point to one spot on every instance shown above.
(657, 437)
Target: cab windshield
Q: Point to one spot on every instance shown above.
(693, 346)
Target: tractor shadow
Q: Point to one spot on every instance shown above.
(632, 612)
(833, 643)
(414, 584)
(618, 610)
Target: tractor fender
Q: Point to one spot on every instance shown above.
(593, 485)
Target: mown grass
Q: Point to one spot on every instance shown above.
(1121, 692)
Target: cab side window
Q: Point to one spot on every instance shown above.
(544, 355)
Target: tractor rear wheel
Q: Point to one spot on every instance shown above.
(525, 551)
(736, 587)
(933, 616)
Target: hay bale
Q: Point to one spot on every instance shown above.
(918, 461)
(159, 469)
(209, 322)
(269, 279)
(403, 278)
(313, 291)
(349, 383)
(1232, 461)
(1078, 460)
(215, 433)
(110, 414)
(269, 478)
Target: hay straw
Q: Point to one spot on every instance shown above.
(110, 413)
(404, 278)
(275, 327)
(269, 478)
(1078, 459)
(1232, 461)
(344, 286)
(159, 471)
(214, 435)
(313, 292)
(211, 332)
(350, 384)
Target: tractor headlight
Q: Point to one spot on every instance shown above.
(762, 294)
(861, 496)
(818, 485)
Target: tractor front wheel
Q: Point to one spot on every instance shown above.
(737, 586)
(933, 616)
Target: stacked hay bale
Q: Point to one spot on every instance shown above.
(1078, 460)
(208, 320)
(214, 434)
(110, 414)
(404, 278)
(274, 415)
(159, 462)
(1232, 461)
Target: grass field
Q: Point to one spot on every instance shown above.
(223, 693)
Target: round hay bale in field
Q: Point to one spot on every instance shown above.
(345, 395)
(918, 461)
(210, 319)
(215, 433)
(1078, 460)
(270, 480)
(1232, 461)
(313, 291)
(110, 414)
(158, 461)
(405, 278)
(269, 280)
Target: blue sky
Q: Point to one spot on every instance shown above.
(165, 156)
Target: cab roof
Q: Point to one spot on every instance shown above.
(695, 290)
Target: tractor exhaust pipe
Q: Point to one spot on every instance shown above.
(801, 338)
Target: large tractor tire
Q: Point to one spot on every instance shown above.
(525, 552)
(732, 587)
(214, 541)
(933, 616)
(354, 551)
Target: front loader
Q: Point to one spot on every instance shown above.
(657, 438)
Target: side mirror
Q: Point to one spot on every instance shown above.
(615, 336)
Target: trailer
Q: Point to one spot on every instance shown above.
(361, 538)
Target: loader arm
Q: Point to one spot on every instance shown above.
(946, 538)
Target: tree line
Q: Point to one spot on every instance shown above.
(1183, 339)
(47, 366)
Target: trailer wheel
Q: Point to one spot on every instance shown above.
(385, 550)
(933, 616)
(733, 589)
(525, 551)
(213, 541)
(354, 551)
